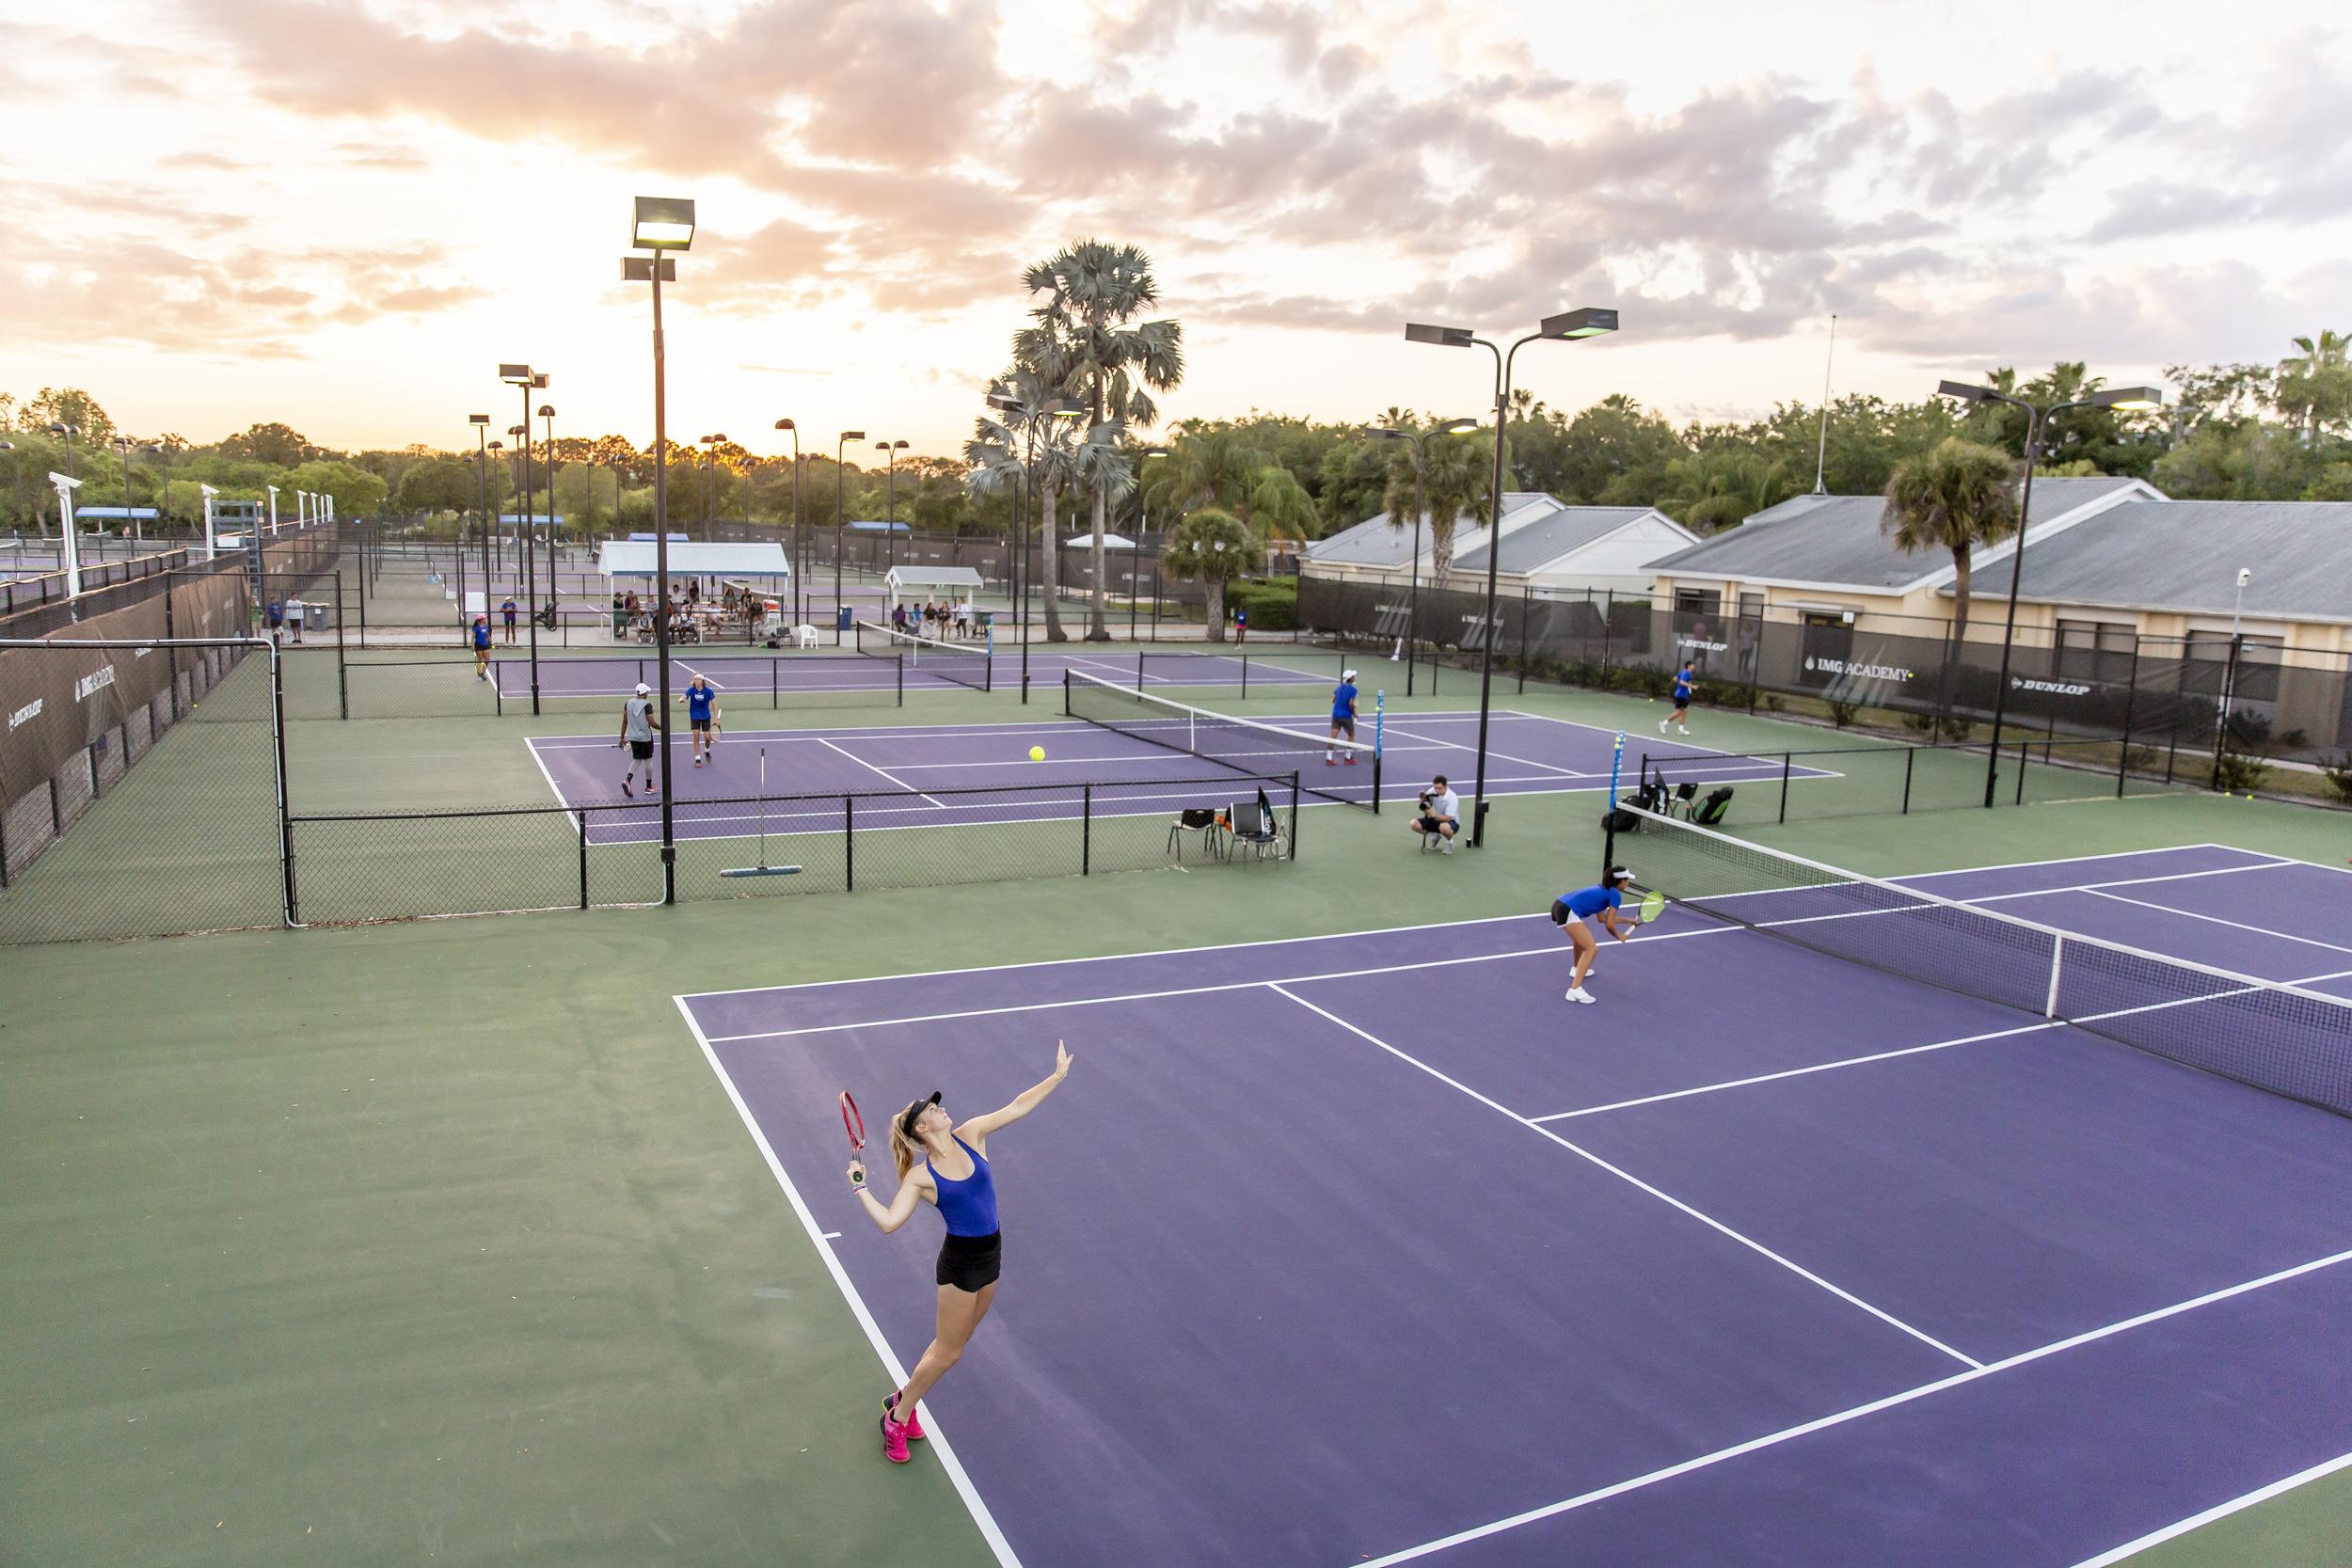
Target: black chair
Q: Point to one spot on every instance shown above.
(1202, 820)
(1684, 794)
(1255, 825)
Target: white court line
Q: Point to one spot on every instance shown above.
(1431, 742)
(1841, 1418)
(1709, 1221)
(2107, 855)
(901, 784)
(2219, 1510)
(2222, 920)
(935, 731)
(938, 1443)
(571, 815)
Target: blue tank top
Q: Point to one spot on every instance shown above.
(968, 1206)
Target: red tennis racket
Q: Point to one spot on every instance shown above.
(853, 1124)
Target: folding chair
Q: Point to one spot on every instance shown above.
(1684, 794)
(1254, 825)
(1197, 819)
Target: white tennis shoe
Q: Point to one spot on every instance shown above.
(1577, 993)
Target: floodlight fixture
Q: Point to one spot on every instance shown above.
(662, 223)
(2130, 400)
(1444, 337)
(477, 418)
(1965, 392)
(515, 375)
(1588, 321)
(853, 436)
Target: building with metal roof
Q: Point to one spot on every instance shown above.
(1545, 544)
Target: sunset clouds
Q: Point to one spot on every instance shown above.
(391, 192)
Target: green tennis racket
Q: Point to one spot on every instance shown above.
(1653, 904)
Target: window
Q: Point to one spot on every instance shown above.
(2095, 650)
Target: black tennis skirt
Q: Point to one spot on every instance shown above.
(970, 1262)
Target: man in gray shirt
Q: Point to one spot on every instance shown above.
(637, 726)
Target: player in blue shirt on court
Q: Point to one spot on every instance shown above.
(698, 698)
(1571, 910)
(1343, 718)
(1685, 680)
(482, 647)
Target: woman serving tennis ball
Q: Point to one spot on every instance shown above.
(970, 1257)
(1601, 901)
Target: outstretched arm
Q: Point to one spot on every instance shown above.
(1030, 1099)
(900, 1208)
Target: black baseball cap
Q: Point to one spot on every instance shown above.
(906, 1122)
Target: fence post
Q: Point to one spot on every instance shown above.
(1527, 613)
(2024, 755)
(899, 663)
(775, 685)
(285, 821)
(583, 857)
(2131, 695)
(1608, 635)
(2221, 718)
(343, 678)
(1909, 757)
(848, 844)
(1294, 813)
(1086, 830)
(1787, 758)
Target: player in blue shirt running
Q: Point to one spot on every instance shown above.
(1685, 680)
(698, 698)
(1343, 718)
(1571, 910)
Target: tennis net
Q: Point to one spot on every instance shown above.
(2277, 1037)
(967, 665)
(1244, 745)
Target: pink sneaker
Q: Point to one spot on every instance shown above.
(914, 1416)
(894, 1441)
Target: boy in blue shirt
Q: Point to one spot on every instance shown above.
(1343, 718)
(1685, 680)
(699, 698)
(1571, 910)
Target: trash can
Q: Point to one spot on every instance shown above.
(315, 613)
(844, 619)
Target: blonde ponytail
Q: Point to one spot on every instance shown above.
(903, 1152)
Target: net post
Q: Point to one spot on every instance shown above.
(1910, 758)
(775, 684)
(1376, 785)
(1787, 758)
(1086, 830)
(848, 844)
(2058, 964)
(498, 690)
(583, 857)
(1140, 668)
(1293, 854)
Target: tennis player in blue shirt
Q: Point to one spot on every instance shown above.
(1343, 718)
(698, 698)
(482, 647)
(1685, 680)
(1570, 911)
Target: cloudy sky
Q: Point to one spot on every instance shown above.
(345, 215)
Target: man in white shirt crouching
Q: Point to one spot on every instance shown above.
(1440, 814)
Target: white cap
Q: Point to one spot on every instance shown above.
(1622, 875)
(643, 691)
(1347, 675)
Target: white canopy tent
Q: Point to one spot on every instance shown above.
(952, 583)
(634, 558)
(1110, 542)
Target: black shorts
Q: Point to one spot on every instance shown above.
(1344, 726)
(1562, 914)
(1682, 700)
(970, 1262)
(641, 750)
(1431, 824)
(700, 723)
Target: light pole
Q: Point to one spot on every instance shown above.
(163, 494)
(69, 432)
(123, 447)
(546, 450)
(710, 469)
(840, 512)
(1421, 510)
(2229, 685)
(1569, 326)
(211, 548)
(800, 563)
(890, 451)
(2130, 400)
(273, 507)
(482, 504)
(661, 225)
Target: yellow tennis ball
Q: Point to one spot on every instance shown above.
(1037, 753)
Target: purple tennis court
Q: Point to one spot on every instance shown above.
(1369, 1249)
(923, 763)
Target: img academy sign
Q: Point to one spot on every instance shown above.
(1856, 669)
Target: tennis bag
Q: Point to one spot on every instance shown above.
(1711, 810)
(1620, 821)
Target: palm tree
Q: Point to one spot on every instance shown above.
(1087, 342)
(1220, 468)
(1723, 488)
(1954, 496)
(2315, 386)
(1456, 483)
(1002, 448)
(1213, 545)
